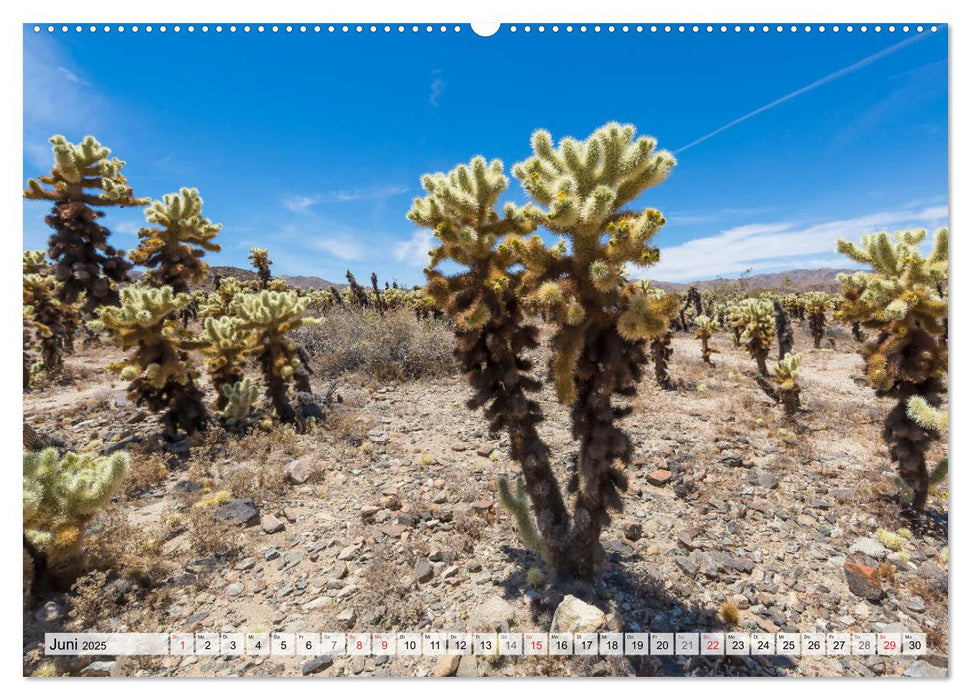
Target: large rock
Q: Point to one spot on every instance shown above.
(494, 615)
(922, 669)
(573, 615)
(242, 511)
(270, 524)
(863, 581)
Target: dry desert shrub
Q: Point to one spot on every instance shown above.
(144, 473)
(393, 347)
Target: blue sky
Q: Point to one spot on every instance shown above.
(312, 145)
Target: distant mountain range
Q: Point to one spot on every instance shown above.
(821, 279)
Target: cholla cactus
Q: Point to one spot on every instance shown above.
(378, 300)
(756, 318)
(51, 321)
(82, 177)
(172, 251)
(240, 409)
(356, 294)
(271, 316)
(783, 328)
(161, 374)
(60, 496)
(225, 342)
(816, 304)
(660, 343)
(735, 321)
(217, 302)
(260, 259)
(517, 504)
(707, 327)
(786, 378)
(850, 306)
(492, 329)
(901, 302)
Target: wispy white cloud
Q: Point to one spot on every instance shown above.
(437, 87)
(862, 63)
(767, 247)
(414, 251)
(71, 76)
(340, 247)
(299, 203)
(56, 100)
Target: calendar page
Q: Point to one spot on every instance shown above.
(432, 349)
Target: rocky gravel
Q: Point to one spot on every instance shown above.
(388, 520)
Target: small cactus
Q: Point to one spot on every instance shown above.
(260, 259)
(707, 327)
(225, 342)
(816, 305)
(60, 496)
(756, 318)
(239, 411)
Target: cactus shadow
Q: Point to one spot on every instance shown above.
(646, 607)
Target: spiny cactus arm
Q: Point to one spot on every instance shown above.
(82, 166)
(35, 262)
(926, 416)
(518, 505)
(242, 398)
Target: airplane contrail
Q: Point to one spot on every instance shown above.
(812, 86)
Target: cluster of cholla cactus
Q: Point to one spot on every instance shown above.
(84, 177)
(60, 496)
(270, 317)
(48, 322)
(783, 328)
(660, 343)
(601, 322)
(162, 376)
(172, 250)
(900, 300)
(260, 260)
(755, 319)
(816, 305)
(707, 327)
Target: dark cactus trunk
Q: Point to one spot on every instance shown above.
(783, 329)
(817, 325)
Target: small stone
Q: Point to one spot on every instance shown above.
(298, 471)
(446, 666)
(270, 524)
(346, 618)
(634, 531)
(915, 604)
(494, 615)
(869, 547)
(235, 589)
(100, 669)
(863, 581)
(459, 447)
(659, 477)
(318, 663)
(242, 512)
(424, 571)
(766, 480)
(574, 615)
(922, 669)
(348, 552)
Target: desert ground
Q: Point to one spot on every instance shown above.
(384, 517)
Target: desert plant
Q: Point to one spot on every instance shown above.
(816, 304)
(271, 317)
(707, 327)
(379, 302)
(783, 328)
(173, 249)
(356, 293)
(60, 496)
(756, 318)
(162, 376)
(217, 301)
(735, 322)
(83, 177)
(239, 410)
(600, 321)
(260, 260)
(901, 303)
(225, 342)
(51, 322)
(785, 377)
